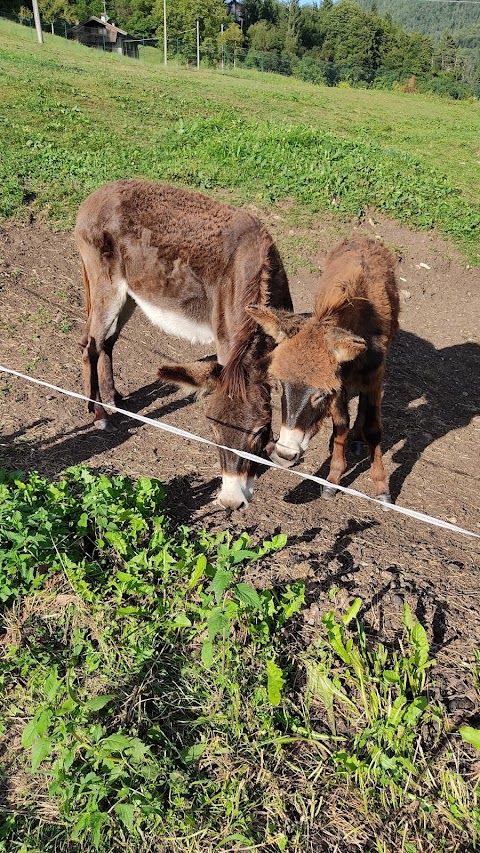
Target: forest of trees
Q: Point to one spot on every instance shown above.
(455, 24)
(357, 43)
(430, 18)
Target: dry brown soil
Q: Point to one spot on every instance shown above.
(432, 429)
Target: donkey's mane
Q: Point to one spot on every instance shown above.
(343, 293)
(340, 293)
(233, 379)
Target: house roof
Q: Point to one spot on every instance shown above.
(110, 27)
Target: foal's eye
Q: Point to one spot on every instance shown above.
(317, 397)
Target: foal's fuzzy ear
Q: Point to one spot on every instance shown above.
(344, 345)
(199, 376)
(278, 324)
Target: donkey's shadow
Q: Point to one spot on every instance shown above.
(428, 393)
(82, 442)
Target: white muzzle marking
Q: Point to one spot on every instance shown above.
(236, 491)
(290, 446)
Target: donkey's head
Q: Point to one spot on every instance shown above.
(243, 424)
(307, 364)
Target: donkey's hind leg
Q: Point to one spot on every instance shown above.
(108, 392)
(90, 375)
(107, 315)
(95, 364)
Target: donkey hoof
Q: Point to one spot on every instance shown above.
(385, 499)
(105, 425)
(357, 447)
(329, 492)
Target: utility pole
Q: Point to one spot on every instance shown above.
(38, 26)
(165, 33)
(223, 63)
(198, 45)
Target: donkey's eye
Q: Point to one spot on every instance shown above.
(317, 397)
(261, 433)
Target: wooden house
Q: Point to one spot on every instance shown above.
(103, 35)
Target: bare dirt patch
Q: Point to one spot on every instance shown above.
(432, 430)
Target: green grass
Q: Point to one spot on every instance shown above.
(151, 700)
(73, 118)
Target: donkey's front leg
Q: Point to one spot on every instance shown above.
(356, 436)
(341, 424)
(372, 431)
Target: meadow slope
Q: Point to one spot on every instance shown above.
(72, 118)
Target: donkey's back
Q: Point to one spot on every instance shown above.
(135, 216)
(170, 250)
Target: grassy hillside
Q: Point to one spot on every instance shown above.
(72, 118)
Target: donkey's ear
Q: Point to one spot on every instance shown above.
(200, 377)
(344, 345)
(278, 324)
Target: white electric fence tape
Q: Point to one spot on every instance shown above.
(419, 516)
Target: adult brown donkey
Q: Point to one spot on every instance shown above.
(339, 350)
(192, 264)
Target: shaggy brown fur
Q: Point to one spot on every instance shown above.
(192, 264)
(340, 349)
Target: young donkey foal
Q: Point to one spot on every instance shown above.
(339, 350)
(192, 264)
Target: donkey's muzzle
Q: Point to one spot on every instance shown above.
(236, 491)
(284, 456)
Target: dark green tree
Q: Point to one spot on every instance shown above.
(418, 53)
(252, 11)
(312, 27)
(136, 16)
(374, 36)
(183, 15)
(83, 9)
(55, 10)
(261, 10)
(292, 35)
(446, 53)
(346, 27)
(391, 46)
(263, 37)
